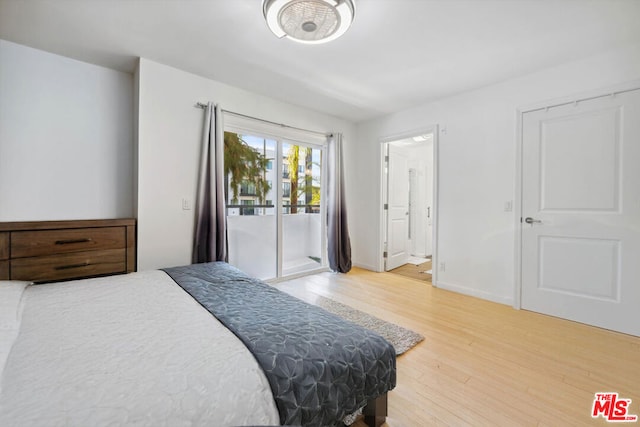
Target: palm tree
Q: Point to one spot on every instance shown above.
(293, 158)
(311, 192)
(243, 163)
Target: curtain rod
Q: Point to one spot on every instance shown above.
(203, 106)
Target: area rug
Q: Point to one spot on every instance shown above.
(401, 338)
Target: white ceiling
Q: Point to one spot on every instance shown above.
(398, 53)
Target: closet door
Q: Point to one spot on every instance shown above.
(581, 212)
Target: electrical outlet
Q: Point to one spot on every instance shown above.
(186, 204)
(443, 267)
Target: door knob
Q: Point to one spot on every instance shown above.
(530, 220)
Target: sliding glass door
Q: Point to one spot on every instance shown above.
(301, 225)
(263, 173)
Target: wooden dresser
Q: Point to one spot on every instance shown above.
(44, 251)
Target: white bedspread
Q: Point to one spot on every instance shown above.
(128, 350)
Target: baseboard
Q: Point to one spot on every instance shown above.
(365, 266)
(474, 293)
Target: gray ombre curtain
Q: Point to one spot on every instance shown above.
(210, 237)
(339, 244)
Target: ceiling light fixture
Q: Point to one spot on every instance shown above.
(309, 21)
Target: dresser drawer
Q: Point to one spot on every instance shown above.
(69, 266)
(4, 255)
(4, 245)
(47, 242)
(4, 270)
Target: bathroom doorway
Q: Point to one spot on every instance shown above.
(409, 206)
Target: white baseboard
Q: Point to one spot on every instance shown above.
(474, 293)
(365, 266)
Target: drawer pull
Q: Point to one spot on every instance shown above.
(67, 267)
(66, 242)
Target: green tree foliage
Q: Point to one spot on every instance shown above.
(293, 159)
(244, 163)
(302, 185)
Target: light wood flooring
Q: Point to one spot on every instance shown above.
(414, 271)
(483, 363)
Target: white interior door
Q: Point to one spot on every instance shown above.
(581, 197)
(429, 168)
(398, 212)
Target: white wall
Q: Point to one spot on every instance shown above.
(170, 130)
(477, 154)
(66, 138)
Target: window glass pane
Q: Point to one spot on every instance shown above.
(251, 220)
(301, 224)
(247, 211)
(254, 168)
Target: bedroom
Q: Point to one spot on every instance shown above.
(115, 178)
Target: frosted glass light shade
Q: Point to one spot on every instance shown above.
(309, 21)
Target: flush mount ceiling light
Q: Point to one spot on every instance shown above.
(309, 21)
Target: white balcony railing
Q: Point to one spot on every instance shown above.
(253, 244)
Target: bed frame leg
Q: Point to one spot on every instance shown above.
(375, 413)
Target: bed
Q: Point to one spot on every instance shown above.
(203, 344)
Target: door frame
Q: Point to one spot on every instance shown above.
(517, 211)
(384, 141)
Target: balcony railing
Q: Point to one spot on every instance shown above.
(244, 209)
(253, 242)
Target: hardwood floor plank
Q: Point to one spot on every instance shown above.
(483, 363)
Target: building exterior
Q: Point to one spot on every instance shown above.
(307, 189)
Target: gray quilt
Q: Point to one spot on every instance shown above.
(320, 366)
